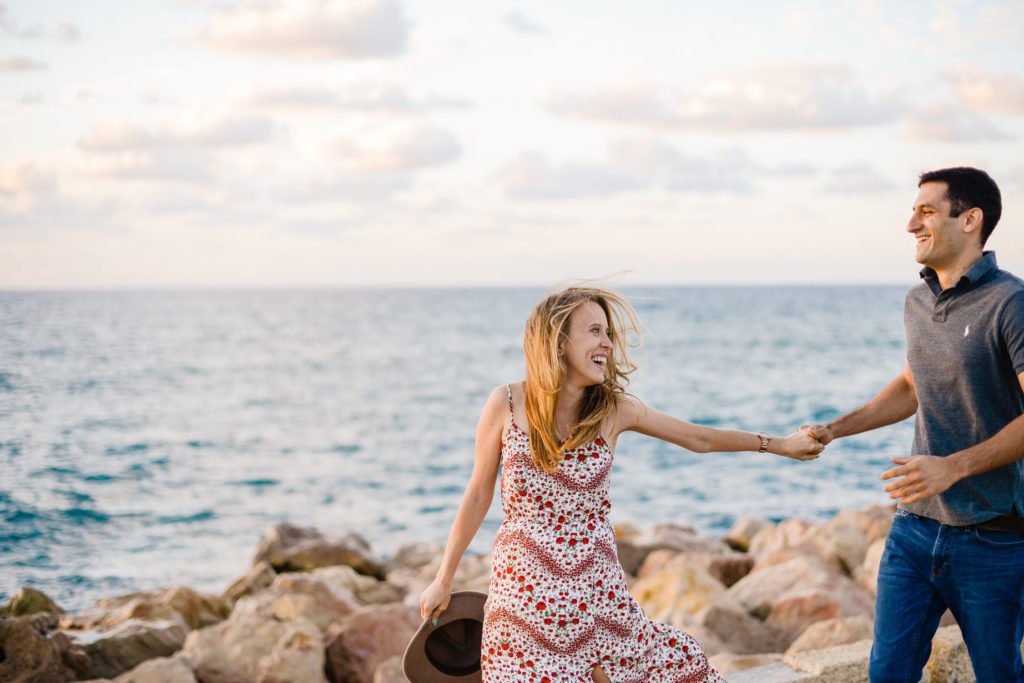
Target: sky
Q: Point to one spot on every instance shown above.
(364, 143)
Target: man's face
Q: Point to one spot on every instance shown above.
(940, 237)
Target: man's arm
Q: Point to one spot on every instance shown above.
(895, 403)
(928, 475)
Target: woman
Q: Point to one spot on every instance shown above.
(558, 607)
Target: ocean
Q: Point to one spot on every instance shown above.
(150, 438)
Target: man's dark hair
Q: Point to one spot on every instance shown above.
(967, 188)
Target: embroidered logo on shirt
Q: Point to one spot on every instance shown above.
(967, 330)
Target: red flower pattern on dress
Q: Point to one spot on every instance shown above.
(558, 602)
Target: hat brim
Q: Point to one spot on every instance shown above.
(417, 666)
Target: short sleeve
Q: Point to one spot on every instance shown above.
(1011, 327)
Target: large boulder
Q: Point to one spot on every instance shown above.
(366, 589)
(290, 548)
(795, 594)
(727, 567)
(367, 639)
(678, 586)
(472, 574)
(868, 573)
(191, 608)
(743, 531)
(738, 631)
(260, 576)
(678, 538)
(28, 601)
(34, 652)
(119, 649)
(390, 671)
(298, 595)
(251, 648)
(832, 632)
(163, 670)
(727, 662)
(414, 555)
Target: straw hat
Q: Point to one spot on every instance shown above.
(450, 651)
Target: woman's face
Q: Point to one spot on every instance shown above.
(588, 349)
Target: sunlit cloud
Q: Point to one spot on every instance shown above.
(632, 165)
(978, 91)
(310, 29)
(370, 99)
(225, 133)
(766, 98)
(20, 63)
(411, 149)
(945, 123)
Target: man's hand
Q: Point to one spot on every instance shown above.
(923, 476)
(821, 433)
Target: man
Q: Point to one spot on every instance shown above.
(957, 539)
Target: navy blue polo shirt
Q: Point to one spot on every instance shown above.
(965, 347)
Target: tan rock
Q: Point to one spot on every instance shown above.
(832, 632)
(163, 670)
(738, 631)
(762, 587)
(625, 531)
(120, 648)
(797, 536)
(249, 647)
(259, 577)
(655, 562)
(743, 531)
(414, 555)
(290, 548)
(837, 596)
(846, 663)
(367, 639)
(949, 660)
(844, 538)
(28, 601)
(727, 662)
(390, 671)
(630, 555)
(193, 609)
(868, 574)
(366, 589)
(678, 586)
(36, 653)
(299, 595)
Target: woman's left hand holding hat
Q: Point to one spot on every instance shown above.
(434, 600)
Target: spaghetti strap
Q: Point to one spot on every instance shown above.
(508, 388)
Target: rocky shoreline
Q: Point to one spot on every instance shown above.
(792, 601)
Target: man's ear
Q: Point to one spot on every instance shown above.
(973, 218)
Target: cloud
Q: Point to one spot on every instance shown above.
(412, 149)
(64, 31)
(180, 165)
(226, 133)
(347, 186)
(982, 92)
(532, 176)
(310, 29)
(632, 165)
(377, 99)
(19, 63)
(944, 123)
(517, 21)
(766, 98)
(26, 183)
(857, 179)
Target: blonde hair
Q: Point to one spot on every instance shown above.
(547, 329)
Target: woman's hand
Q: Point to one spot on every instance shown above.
(434, 600)
(801, 445)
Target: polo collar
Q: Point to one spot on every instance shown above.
(981, 268)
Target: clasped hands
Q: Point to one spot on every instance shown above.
(915, 477)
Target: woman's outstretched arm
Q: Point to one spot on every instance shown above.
(475, 503)
(634, 415)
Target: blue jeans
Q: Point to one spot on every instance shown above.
(976, 573)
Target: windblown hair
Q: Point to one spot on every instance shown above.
(547, 331)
